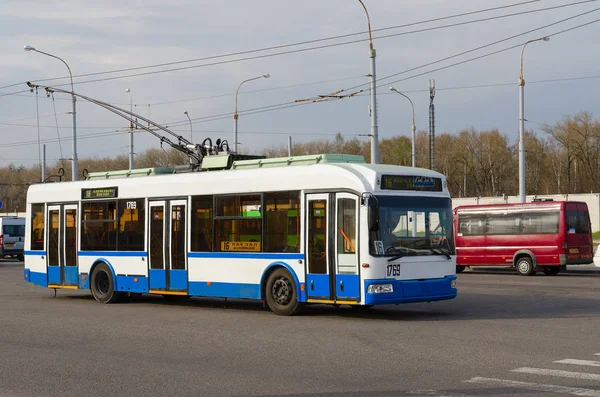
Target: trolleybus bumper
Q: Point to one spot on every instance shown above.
(390, 291)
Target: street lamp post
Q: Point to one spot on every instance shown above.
(74, 166)
(373, 113)
(414, 128)
(130, 130)
(235, 112)
(191, 132)
(521, 84)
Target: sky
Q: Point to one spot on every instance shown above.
(95, 38)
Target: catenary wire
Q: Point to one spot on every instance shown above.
(294, 44)
(288, 52)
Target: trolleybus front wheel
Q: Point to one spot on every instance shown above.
(281, 293)
(103, 285)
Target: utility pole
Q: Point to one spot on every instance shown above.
(431, 125)
(130, 129)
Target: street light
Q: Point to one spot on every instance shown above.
(414, 128)
(374, 134)
(235, 112)
(191, 132)
(74, 167)
(130, 130)
(521, 84)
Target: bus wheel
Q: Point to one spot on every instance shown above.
(525, 266)
(460, 269)
(281, 294)
(551, 270)
(103, 285)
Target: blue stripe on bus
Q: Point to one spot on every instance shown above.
(224, 290)
(129, 283)
(38, 278)
(112, 253)
(245, 255)
(35, 252)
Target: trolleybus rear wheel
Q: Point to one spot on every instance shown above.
(103, 285)
(281, 293)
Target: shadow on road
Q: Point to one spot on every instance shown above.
(467, 306)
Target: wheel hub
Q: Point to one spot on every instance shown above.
(281, 291)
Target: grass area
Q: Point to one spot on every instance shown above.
(596, 236)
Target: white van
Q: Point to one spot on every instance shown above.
(12, 237)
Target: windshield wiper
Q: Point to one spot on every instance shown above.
(400, 251)
(441, 251)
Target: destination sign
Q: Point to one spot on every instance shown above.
(240, 246)
(99, 193)
(410, 182)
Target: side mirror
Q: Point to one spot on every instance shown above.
(373, 214)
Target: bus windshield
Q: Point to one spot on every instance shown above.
(413, 226)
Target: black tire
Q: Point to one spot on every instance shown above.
(21, 258)
(525, 266)
(460, 269)
(551, 270)
(281, 294)
(103, 285)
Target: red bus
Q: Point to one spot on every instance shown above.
(540, 235)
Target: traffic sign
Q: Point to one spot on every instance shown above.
(0, 204)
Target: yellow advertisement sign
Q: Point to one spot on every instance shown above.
(252, 246)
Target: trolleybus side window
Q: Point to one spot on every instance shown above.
(238, 223)
(131, 225)
(202, 223)
(37, 227)
(281, 224)
(99, 226)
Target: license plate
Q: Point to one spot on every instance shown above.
(9, 244)
(573, 250)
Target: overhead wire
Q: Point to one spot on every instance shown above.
(292, 44)
(302, 43)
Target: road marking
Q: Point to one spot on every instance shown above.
(579, 362)
(596, 354)
(575, 391)
(552, 372)
(435, 393)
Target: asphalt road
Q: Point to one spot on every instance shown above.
(505, 335)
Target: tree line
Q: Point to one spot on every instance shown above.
(563, 158)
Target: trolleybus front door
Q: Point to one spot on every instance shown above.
(61, 257)
(331, 254)
(167, 247)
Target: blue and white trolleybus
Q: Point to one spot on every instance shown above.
(324, 229)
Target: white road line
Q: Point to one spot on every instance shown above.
(596, 354)
(562, 374)
(435, 393)
(579, 362)
(575, 391)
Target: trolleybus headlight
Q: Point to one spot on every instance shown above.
(380, 288)
(453, 284)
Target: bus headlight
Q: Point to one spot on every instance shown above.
(453, 284)
(380, 288)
